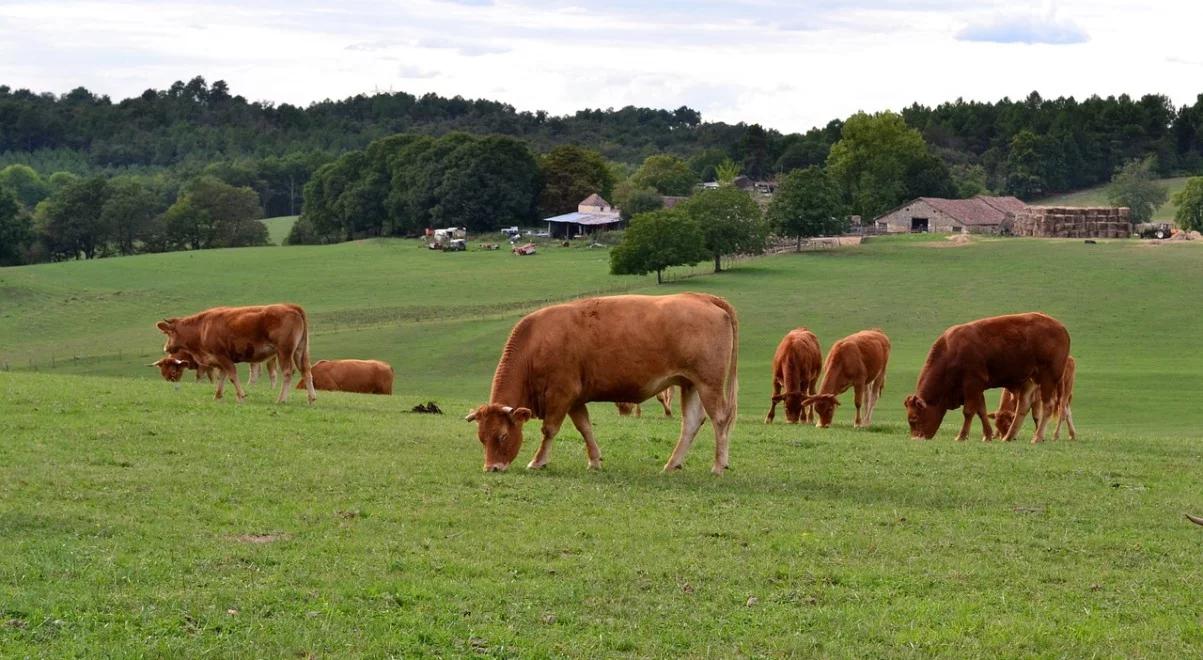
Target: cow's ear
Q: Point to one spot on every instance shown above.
(165, 326)
(471, 417)
(521, 414)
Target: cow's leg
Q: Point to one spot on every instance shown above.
(253, 374)
(286, 366)
(859, 401)
(1046, 394)
(551, 426)
(273, 369)
(1022, 405)
(638, 411)
(722, 416)
(221, 385)
(665, 397)
(692, 417)
(969, 415)
(870, 403)
(580, 419)
(768, 419)
(1069, 422)
(227, 369)
(979, 408)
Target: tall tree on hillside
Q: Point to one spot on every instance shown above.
(1135, 187)
(658, 240)
(133, 213)
(879, 162)
(730, 221)
(16, 231)
(213, 214)
(25, 184)
(71, 219)
(754, 149)
(570, 174)
(807, 203)
(1189, 201)
(726, 172)
(488, 184)
(631, 201)
(668, 175)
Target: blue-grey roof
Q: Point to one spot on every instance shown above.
(586, 218)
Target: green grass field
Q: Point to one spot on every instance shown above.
(278, 228)
(138, 519)
(1097, 196)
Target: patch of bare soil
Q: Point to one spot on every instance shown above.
(262, 538)
(956, 240)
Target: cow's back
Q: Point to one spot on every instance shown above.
(1004, 351)
(358, 376)
(618, 348)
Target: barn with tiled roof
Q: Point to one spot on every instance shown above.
(979, 215)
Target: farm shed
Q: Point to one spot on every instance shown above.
(1072, 222)
(591, 214)
(980, 215)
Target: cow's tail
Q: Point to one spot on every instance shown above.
(300, 356)
(731, 394)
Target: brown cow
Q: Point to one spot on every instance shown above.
(1023, 352)
(858, 361)
(618, 348)
(223, 336)
(173, 366)
(1005, 415)
(796, 367)
(362, 376)
(665, 398)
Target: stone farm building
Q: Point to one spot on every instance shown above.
(979, 215)
(592, 214)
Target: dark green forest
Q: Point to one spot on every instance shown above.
(148, 172)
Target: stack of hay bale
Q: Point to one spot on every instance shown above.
(1073, 222)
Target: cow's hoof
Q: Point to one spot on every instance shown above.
(959, 438)
(718, 469)
(535, 466)
(672, 468)
(594, 465)
(987, 438)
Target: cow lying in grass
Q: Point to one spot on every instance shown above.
(796, 365)
(617, 348)
(858, 361)
(361, 376)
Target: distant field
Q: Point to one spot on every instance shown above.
(1097, 196)
(278, 228)
(138, 516)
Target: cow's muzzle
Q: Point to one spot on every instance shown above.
(497, 467)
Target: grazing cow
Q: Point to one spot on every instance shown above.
(618, 348)
(665, 398)
(858, 361)
(1022, 352)
(223, 336)
(173, 366)
(362, 376)
(1005, 415)
(796, 367)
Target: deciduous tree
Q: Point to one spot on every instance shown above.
(1189, 201)
(1135, 187)
(730, 221)
(807, 203)
(658, 240)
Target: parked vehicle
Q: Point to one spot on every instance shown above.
(452, 239)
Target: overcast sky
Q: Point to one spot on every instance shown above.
(787, 65)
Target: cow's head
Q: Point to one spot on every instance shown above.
(1002, 420)
(499, 429)
(824, 407)
(167, 327)
(793, 405)
(171, 367)
(924, 418)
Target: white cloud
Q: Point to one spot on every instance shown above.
(786, 65)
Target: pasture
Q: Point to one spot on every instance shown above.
(138, 517)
